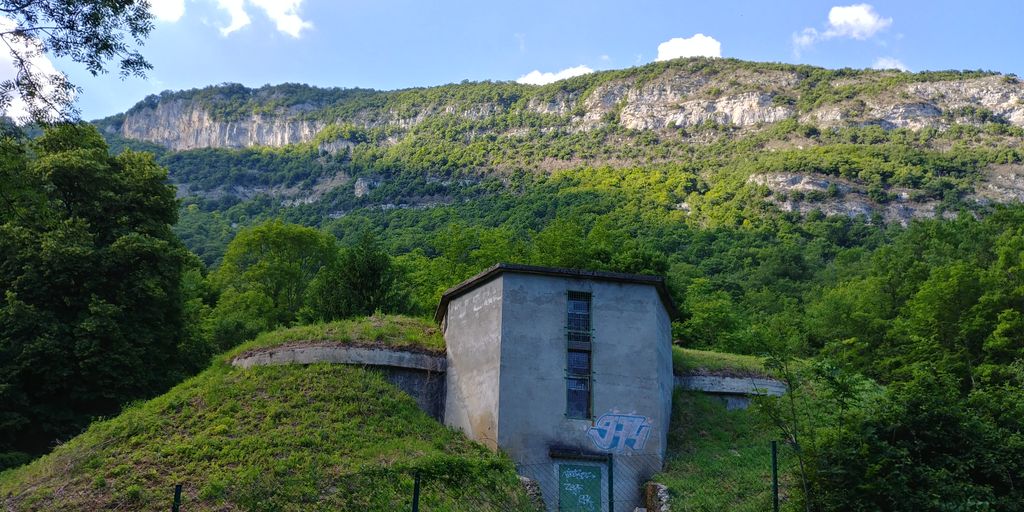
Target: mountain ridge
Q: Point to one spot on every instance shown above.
(664, 96)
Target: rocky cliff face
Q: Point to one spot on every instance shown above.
(180, 124)
(676, 98)
(804, 193)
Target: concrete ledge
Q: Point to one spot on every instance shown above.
(731, 385)
(343, 354)
(420, 375)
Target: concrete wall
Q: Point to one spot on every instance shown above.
(734, 392)
(472, 333)
(421, 376)
(427, 388)
(632, 378)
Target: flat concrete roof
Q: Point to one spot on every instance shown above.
(658, 282)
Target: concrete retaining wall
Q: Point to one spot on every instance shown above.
(734, 391)
(421, 376)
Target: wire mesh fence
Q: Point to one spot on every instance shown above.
(584, 483)
(592, 483)
(453, 487)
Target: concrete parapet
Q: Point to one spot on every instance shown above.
(734, 391)
(338, 353)
(420, 375)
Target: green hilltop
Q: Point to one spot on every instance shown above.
(284, 437)
(334, 436)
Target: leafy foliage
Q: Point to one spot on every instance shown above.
(92, 309)
(90, 32)
(360, 281)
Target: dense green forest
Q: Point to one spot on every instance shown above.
(904, 345)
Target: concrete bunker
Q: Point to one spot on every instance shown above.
(569, 372)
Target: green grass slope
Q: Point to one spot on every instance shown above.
(318, 437)
(397, 331)
(719, 459)
(688, 361)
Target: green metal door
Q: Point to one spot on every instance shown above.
(579, 488)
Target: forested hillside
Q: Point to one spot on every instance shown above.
(859, 230)
(729, 142)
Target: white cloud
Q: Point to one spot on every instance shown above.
(239, 18)
(805, 38)
(37, 60)
(167, 10)
(535, 77)
(889, 63)
(699, 45)
(859, 21)
(606, 58)
(284, 13)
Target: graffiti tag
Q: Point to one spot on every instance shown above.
(618, 432)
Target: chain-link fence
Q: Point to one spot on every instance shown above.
(578, 485)
(457, 487)
(587, 483)
(559, 482)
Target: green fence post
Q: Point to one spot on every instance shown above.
(416, 493)
(176, 506)
(775, 476)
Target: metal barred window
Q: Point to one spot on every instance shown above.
(579, 317)
(578, 361)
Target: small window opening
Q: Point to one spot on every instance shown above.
(578, 380)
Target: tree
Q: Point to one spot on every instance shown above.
(926, 446)
(276, 260)
(363, 281)
(90, 284)
(93, 33)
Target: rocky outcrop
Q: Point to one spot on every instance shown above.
(805, 193)
(929, 104)
(678, 97)
(1002, 95)
(1000, 184)
(363, 186)
(180, 124)
(742, 110)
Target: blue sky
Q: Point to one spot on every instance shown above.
(393, 44)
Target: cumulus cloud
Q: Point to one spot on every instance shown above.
(889, 63)
(536, 77)
(167, 10)
(859, 21)
(236, 10)
(699, 45)
(284, 14)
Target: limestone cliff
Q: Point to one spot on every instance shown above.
(655, 97)
(180, 124)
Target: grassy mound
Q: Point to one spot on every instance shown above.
(719, 459)
(328, 437)
(686, 361)
(394, 331)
